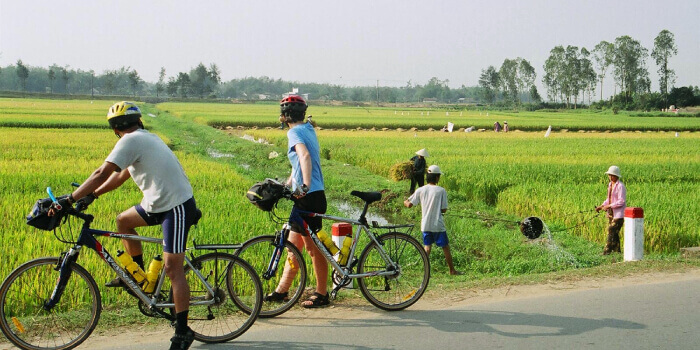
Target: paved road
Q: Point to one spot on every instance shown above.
(657, 315)
(652, 316)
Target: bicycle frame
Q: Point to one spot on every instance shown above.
(296, 216)
(87, 239)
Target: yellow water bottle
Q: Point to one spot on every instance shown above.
(345, 250)
(132, 267)
(327, 241)
(152, 274)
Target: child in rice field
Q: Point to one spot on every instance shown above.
(433, 201)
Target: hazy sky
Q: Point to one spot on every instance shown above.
(340, 42)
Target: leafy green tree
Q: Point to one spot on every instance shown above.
(134, 80)
(629, 62)
(683, 97)
(109, 81)
(603, 54)
(215, 74)
(65, 78)
(526, 75)
(171, 86)
(184, 84)
(199, 77)
(554, 73)
(22, 74)
(534, 95)
(160, 85)
(587, 74)
(571, 83)
(508, 74)
(52, 77)
(664, 48)
(489, 83)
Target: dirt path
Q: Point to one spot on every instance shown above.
(358, 308)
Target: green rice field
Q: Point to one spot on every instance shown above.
(509, 176)
(336, 117)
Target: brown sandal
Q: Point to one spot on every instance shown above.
(317, 300)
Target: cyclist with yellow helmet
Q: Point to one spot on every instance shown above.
(167, 201)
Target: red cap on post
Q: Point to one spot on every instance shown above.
(635, 213)
(341, 229)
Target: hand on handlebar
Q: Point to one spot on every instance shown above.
(301, 191)
(62, 204)
(84, 202)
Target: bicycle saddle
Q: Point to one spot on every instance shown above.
(369, 197)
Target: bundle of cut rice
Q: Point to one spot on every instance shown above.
(401, 171)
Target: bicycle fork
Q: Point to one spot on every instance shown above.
(65, 271)
(280, 239)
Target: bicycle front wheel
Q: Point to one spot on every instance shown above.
(234, 281)
(407, 285)
(258, 251)
(24, 319)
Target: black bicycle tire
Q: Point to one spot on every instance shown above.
(269, 285)
(50, 262)
(252, 315)
(414, 293)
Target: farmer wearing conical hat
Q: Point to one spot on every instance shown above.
(418, 174)
(614, 206)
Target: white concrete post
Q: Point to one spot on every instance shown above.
(341, 231)
(634, 234)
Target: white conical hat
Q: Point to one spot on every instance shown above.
(423, 153)
(614, 170)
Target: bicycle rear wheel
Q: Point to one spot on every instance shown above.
(23, 318)
(258, 251)
(234, 281)
(402, 290)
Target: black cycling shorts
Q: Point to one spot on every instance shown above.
(313, 202)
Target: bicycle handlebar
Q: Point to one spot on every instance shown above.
(71, 210)
(53, 198)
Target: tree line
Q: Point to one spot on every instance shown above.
(571, 74)
(204, 82)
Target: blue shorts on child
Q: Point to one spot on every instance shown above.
(439, 238)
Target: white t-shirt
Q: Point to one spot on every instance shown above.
(432, 199)
(154, 168)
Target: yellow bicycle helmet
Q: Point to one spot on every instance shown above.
(123, 114)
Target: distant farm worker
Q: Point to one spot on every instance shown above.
(496, 127)
(505, 127)
(167, 201)
(433, 201)
(614, 206)
(418, 173)
(306, 180)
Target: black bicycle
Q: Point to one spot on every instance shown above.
(54, 303)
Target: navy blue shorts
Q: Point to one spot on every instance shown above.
(439, 238)
(175, 222)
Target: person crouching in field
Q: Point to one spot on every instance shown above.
(433, 201)
(614, 206)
